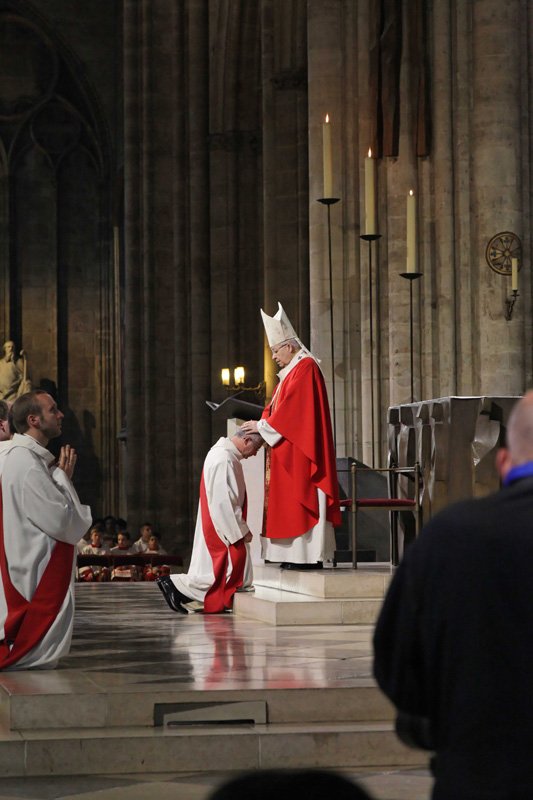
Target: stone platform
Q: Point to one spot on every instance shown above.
(341, 596)
(249, 694)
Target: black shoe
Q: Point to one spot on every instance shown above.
(174, 598)
(291, 565)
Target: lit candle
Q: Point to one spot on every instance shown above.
(411, 232)
(370, 194)
(238, 376)
(225, 376)
(326, 156)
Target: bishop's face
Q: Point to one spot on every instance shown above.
(282, 354)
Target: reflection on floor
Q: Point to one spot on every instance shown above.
(128, 644)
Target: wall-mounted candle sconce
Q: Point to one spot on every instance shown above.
(239, 381)
(504, 255)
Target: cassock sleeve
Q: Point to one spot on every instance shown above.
(53, 506)
(271, 436)
(222, 489)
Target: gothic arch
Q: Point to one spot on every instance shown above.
(56, 285)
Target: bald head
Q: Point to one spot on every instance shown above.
(519, 447)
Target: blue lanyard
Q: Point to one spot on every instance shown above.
(516, 473)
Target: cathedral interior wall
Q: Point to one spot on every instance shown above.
(160, 169)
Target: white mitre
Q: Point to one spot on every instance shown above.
(278, 328)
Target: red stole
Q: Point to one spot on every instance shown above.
(220, 594)
(28, 621)
(304, 460)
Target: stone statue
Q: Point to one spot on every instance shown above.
(13, 373)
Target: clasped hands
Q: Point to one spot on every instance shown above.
(67, 460)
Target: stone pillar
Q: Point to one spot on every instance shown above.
(497, 169)
(325, 49)
(167, 284)
(235, 190)
(285, 166)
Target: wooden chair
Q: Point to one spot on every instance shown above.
(394, 503)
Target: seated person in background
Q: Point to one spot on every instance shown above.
(153, 571)
(86, 538)
(110, 531)
(95, 548)
(122, 527)
(123, 545)
(154, 545)
(141, 545)
(123, 572)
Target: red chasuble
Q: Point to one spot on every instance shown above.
(304, 460)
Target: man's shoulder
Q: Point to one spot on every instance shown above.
(472, 517)
(21, 453)
(222, 453)
(305, 370)
(222, 450)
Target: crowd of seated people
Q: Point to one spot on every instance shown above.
(110, 537)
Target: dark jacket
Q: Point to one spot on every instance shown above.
(454, 643)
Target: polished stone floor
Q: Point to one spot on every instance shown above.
(127, 640)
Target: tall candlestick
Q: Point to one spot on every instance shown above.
(326, 156)
(514, 274)
(411, 232)
(370, 194)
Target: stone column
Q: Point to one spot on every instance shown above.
(235, 189)
(285, 166)
(167, 284)
(325, 50)
(497, 169)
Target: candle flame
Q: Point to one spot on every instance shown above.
(370, 152)
(327, 118)
(411, 192)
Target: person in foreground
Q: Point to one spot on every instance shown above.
(453, 643)
(301, 490)
(41, 521)
(290, 784)
(221, 532)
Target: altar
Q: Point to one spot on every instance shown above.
(454, 439)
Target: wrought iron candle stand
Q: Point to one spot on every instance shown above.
(328, 202)
(411, 276)
(371, 237)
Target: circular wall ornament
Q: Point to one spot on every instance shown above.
(501, 249)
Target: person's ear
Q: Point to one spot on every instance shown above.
(503, 462)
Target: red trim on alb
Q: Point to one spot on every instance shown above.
(220, 595)
(28, 621)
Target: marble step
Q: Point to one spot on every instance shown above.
(279, 607)
(27, 704)
(367, 581)
(136, 750)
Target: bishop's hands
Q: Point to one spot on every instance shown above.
(248, 536)
(67, 460)
(250, 426)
